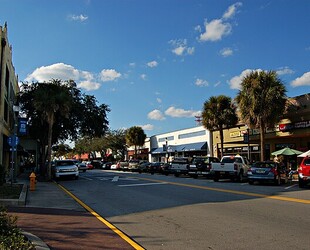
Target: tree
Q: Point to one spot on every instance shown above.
(261, 102)
(218, 114)
(135, 136)
(57, 111)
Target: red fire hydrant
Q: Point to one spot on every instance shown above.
(32, 181)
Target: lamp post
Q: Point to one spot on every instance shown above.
(166, 146)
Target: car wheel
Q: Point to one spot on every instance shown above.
(301, 183)
(240, 177)
(251, 182)
(176, 175)
(84, 170)
(216, 178)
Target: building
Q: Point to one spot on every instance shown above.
(180, 143)
(8, 90)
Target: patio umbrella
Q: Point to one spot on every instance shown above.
(305, 154)
(287, 151)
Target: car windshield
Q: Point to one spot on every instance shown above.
(264, 165)
(64, 163)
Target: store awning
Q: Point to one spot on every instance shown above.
(197, 146)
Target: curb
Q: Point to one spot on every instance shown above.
(20, 202)
(36, 241)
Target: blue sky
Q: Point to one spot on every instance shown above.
(155, 62)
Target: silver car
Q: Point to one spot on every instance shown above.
(264, 171)
(62, 168)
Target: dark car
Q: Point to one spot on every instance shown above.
(267, 171)
(96, 164)
(201, 166)
(304, 172)
(107, 165)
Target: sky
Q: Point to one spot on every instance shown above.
(155, 62)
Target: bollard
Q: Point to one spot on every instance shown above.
(32, 181)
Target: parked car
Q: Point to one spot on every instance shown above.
(89, 165)
(115, 166)
(234, 167)
(106, 165)
(201, 166)
(65, 168)
(81, 165)
(133, 165)
(304, 172)
(144, 167)
(267, 171)
(96, 163)
(123, 165)
(156, 167)
(179, 165)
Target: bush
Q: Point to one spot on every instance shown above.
(11, 236)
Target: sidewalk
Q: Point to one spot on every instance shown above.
(60, 222)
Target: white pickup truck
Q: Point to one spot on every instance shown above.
(234, 167)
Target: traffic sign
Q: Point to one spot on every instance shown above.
(13, 140)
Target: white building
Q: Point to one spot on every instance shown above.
(180, 143)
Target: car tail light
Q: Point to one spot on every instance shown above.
(250, 170)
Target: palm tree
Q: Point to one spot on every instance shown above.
(135, 136)
(48, 99)
(218, 114)
(261, 101)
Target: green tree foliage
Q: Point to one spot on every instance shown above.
(57, 111)
(218, 114)
(261, 101)
(135, 136)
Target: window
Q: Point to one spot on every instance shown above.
(192, 134)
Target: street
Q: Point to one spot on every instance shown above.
(165, 212)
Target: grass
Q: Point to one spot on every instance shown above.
(8, 191)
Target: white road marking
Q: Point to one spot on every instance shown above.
(115, 178)
(290, 186)
(143, 184)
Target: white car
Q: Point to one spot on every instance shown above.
(114, 167)
(64, 168)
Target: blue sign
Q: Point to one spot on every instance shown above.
(13, 140)
(22, 126)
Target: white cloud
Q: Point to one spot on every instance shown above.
(55, 71)
(156, 115)
(64, 72)
(147, 127)
(180, 47)
(158, 100)
(231, 11)
(143, 76)
(80, 18)
(285, 71)
(215, 30)
(108, 75)
(132, 64)
(175, 112)
(152, 64)
(88, 85)
(201, 83)
(235, 82)
(304, 80)
(226, 52)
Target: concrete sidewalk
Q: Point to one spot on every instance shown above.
(60, 222)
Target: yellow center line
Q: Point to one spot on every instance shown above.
(274, 197)
(134, 244)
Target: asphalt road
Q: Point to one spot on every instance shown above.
(165, 212)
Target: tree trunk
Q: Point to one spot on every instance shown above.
(222, 142)
(262, 140)
(49, 145)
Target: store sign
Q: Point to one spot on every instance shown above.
(296, 125)
(235, 134)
